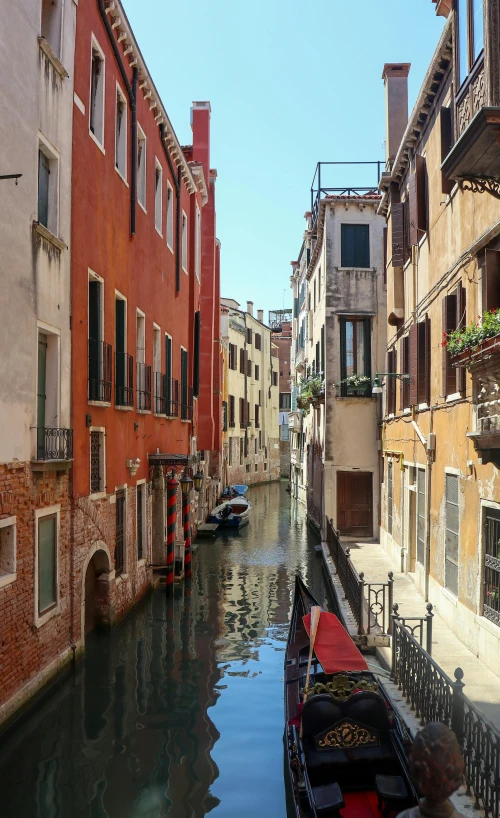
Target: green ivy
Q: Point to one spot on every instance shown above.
(472, 336)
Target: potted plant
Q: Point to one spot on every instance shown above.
(463, 344)
(355, 383)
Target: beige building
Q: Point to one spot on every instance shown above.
(251, 429)
(441, 436)
(339, 333)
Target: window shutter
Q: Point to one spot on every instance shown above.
(343, 368)
(449, 321)
(385, 255)
(446, 143)
(421, 191)
(397, 220)
(490, 264)
(196, 361)
(427, 360)
(295, 308)
(413, 206)
(461, 323)
(402, 369)
(367, 341)
(413, 336)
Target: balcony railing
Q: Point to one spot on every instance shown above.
(166, 395)
(99, 370)
(187, 403)
(124, 379)
(329, 172)
(232, 424)
(173, 397)
(54, 444)
(144, 387)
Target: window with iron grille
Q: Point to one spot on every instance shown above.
(452, 533)
(96, 462)
(120, 532)
(491, 551)
(389, 497)
(141, 519)
(420, 515)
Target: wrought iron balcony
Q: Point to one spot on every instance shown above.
(474, 160)
(144, 387)
(99, 370)
(172, 385)
(324, 174)
(187, 403)
(54, 444)
(124, 379)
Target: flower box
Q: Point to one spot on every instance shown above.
(469, 355)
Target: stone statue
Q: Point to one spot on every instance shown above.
(436, 769)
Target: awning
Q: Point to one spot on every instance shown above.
(333, 646)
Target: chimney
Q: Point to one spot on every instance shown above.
(200, 125)
(395, 76)
(250, 307)
(260, 316)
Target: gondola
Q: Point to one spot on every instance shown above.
(345, 745)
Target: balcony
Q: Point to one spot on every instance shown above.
(187, 403)
(474, 160)
(124, 379)
(143, 387)
(483, 363)
(54, 449)
(99, 371)
(166, 395)
(333, 173)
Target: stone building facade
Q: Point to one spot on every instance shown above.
(441, 489)
(280, 322)
(251, 436)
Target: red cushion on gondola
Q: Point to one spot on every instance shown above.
(333, 646)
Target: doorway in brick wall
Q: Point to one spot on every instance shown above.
(97, 601)
(355, 503)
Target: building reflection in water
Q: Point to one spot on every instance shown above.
(179, 710)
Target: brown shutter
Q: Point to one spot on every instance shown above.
(413, 210)
(449, 322)
(421, 190)
(397, 217)
(427, 361)
(385, 255)
(394, 369)
(490, 264)
(446, 143)
(413, 336)
(461, 323)
(401, 370)
(391, 383)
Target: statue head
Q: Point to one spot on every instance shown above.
(436, 762)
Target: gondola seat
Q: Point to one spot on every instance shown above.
(328, 800)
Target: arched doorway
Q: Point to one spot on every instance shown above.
(96, 592)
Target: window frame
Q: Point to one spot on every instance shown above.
(141, 560)
(98, 495)
(123, 574)
(53, 157)
(158, 197)
(169, 222)
(121, 171)
(197, 246)
(343, 249)
(366, 321)
(41, 617)
(454, 473)
(142, 175)
(94, 45)
(7, 578)
(184, 242)
(468, 48)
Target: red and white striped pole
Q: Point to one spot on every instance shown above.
(171, 517)
(186, 513)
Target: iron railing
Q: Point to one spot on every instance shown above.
(370, 602)
(54, 444)
(318, 190)
(124, 379)
(436, 697)
(166, 395)
(144, 387)
(187, 403)
(99, 370)
(419, 626)
(172, 397)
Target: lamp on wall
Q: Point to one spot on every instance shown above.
(198, 480)
(377, 384)
(186, 484)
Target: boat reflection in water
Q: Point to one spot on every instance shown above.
(178, 711)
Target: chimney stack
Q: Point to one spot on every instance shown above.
(395, 76)
(200, 125)
(250, 307)
(260, 316)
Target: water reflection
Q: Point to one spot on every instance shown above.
(179, 710)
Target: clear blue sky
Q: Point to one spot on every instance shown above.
(290, 84)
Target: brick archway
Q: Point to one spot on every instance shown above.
(96, 607)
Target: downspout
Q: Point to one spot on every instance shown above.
(177, 182)
(428, 486)
(132, 97)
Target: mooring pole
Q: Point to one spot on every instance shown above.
(171, 517)
(186, 513)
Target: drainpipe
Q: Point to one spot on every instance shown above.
(176, 176)
(428, 486)
(132, 97)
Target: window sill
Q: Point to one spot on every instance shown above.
(95, 139)
(54, 61)
(119, 578)
(142, 411)
(184, 270)
(170, 248)
(124, 408)
(142, 206)
(159, 232)
(99, 495)
(122, 177)
(422, 406)
(159, 415)
(186, 420)
(47, 234)
(354, 269)
(7, 579)
(141, 563)
(488, 625)
(102, 403)
(42, 619)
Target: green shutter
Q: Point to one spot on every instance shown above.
(43, 189)
(47, 533)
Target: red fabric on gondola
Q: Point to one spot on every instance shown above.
(333, 646)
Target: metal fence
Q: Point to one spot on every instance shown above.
(436, 697)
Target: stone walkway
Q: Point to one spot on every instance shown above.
(482, 686)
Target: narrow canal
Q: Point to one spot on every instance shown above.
(178, 711)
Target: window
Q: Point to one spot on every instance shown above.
(452, 533)
(420, 515)
(121, 134)
(50, 446)
(143, 369)
(242, 449)
(319, 285)
(47, 188)
(249, 368)
(247, 467)
(420, 362)
(256, 467)
(265, 466)
(274, 381)
(141, 167)
(96, 108)
(389, 497)
(242, 413)
(491, 551)
(315, 293)
(355, 245)
(242, 361)
(258, 341)
(257, 416)
(255, 448)
(232, 418)
(184, 242)
(285, 401)
(197, 258)
(120, 536)
(355, 355)
(470, 35)
(47, 563)
(170, 216)
(97, 462)
(249, 335)
(186, 393)
(405, 367)
(489, 261)
(159, 378)
(233, 355)
(158, 196)
(257, 372)
(140, 506)
(7, 550)
(51, 24)
(390, 388)
(260, 440)
(100, 353)
(124, 376)
(454, 317)
(196, 353)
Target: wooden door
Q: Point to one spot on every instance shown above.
(355, 503)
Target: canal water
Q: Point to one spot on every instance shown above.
(178, 711)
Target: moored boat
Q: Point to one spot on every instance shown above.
(345, 745)
(232, 513)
